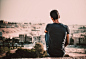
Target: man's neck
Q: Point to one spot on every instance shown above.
(56, 21)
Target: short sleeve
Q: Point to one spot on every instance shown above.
(67, 29)
(47, 27)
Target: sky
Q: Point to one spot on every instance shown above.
(38, 11)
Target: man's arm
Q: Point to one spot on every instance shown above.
(67, 40)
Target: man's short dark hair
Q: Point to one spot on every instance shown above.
(54, 14)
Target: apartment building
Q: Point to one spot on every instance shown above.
(79, 38)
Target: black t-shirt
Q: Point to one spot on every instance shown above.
(57, 36)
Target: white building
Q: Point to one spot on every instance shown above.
(79, 38)
(29, 38)
(22, 38)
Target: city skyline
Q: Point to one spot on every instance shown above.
(71, 11)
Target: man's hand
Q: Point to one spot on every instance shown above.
(45, 31)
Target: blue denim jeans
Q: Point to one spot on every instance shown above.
(47, 41)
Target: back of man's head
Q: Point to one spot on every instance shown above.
(54, 14)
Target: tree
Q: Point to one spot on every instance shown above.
(3, 40)
(39, 50)
(13, 41)
(71, 41)
(30, 23)
(8, 41)
(36, 52)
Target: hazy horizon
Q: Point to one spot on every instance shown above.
(38, 11)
